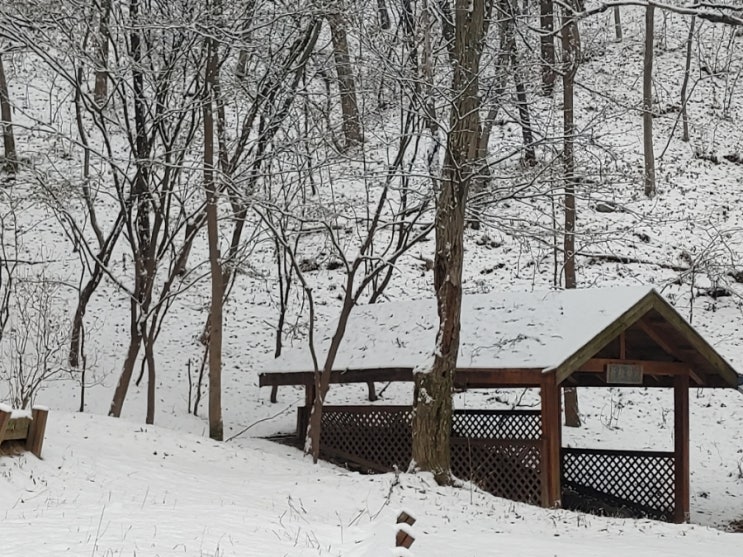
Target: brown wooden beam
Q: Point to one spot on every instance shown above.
(498, 377)
(464, 377)
(681, 448)
(36, 431)
(551, 433)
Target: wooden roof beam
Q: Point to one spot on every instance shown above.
(674, 351)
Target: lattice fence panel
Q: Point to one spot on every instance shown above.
(509, 469)
(641, 481)
(497, 424)
(375, 437)
(497, 450)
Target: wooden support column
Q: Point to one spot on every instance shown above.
(681, 447)
(551, 436)
(36, 431)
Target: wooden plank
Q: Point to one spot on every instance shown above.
(37, 429)
(681, 448)
(464, 377)
(4, 419)
(620, 452)
(551, 425)
(474, 377)
(17, 429)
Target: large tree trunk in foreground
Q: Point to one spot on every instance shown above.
(433, 389)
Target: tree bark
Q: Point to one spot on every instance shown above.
(346, 84)
(384, 14)
(685, 84)
(570, 39)
(433, 389)
(547, 45)
(647, 103)
(6, 118)
(100, 93)
(508, 45)
(216, 428)
(617, 24)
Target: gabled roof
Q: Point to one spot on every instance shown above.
(550, 331)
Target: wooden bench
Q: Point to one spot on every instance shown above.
(24, 428)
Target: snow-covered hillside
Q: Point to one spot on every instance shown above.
(109, 487)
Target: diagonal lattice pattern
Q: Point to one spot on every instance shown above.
(497, 424)
(640, 481)
(509, 469)
(499, 451)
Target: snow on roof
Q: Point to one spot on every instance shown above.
(499, 330)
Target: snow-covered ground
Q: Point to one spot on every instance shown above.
(109, 487)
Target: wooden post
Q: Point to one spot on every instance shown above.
(35, 439)
(681, 447)
(372, 391)
(4, 419)
(551, 434)
(274, 393)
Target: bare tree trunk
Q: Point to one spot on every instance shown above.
(216, 428)
(384, 14)
(135, 340)
(100, 94)
(571, 55)
(346, 84)
(547, 45)
(617, 24)
(241, 71)
(508, 45)
(685, 85)
(433, 390)
(6, 118)
(647, 103)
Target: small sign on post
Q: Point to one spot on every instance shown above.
(624, 374)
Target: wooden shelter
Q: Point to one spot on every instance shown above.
(618, 337)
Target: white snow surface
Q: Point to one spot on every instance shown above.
(538, 329)
(113, 487)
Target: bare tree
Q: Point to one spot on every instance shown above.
(433, 388)
(6, 119)
(216, 428)
(647, 103)
(103, 38)
(547, 45)
(685, 84)
(352, 130)
(570, 39)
